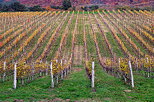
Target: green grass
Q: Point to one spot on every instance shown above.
(90, 43)
(54, 48)
(146, 39)
(67, 47)
(84, 12)
(137, 42)
(79, 34)
(114, 44)
(77, 87)
(21, 41)
(102, 45)
(31, 44)
(127, 44)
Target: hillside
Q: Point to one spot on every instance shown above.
(45, 3)
(77, 56)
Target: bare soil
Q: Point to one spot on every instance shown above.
(78, 55)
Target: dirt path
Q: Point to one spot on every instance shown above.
(78, 55)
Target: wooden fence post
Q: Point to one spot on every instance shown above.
(148, 68)
(65, 70)
(51, 73)
(33, 71)
(15, 76)
(93, 75)
(4, 74)
(57, 74)
(47, 68)
(61, 70)
(131, 73)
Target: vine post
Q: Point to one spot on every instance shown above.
(52, 81)
(93, 75)
(4, 71)
(15, 76)
(65, 70)
(57, 73)
(61, 62)
(131, 73)
(46, 68)
(148, 68)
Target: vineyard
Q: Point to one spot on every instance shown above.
(34, 45)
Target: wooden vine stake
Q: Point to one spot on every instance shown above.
(57, 73)
(61, 70)
(15, 76)
(65, 70)
(33, 70)
(93, 75)
(46, 69)
(148, 68)
(4, 71)
(131, 73)
(52, 81)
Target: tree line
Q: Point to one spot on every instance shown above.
(17, 7)
(66, 4)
